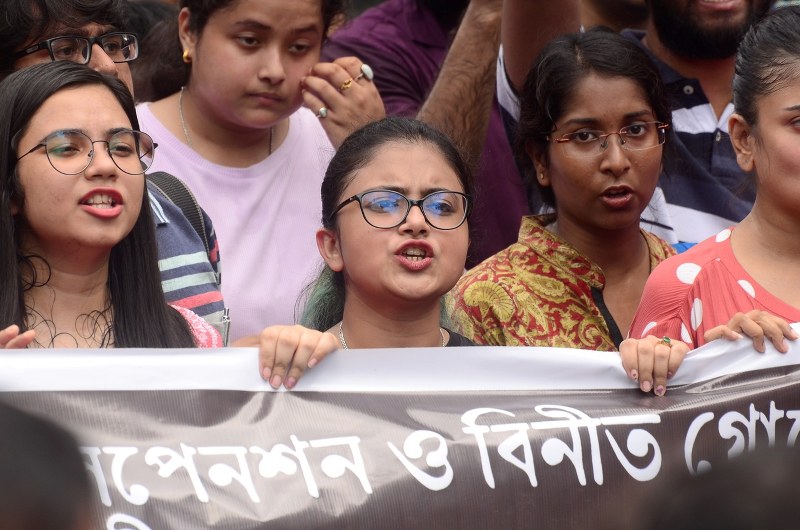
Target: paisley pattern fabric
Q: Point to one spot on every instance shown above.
(538, 292)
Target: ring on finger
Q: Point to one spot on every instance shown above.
(347, 84)
(322, 113)
(666, 342)
(366, 73)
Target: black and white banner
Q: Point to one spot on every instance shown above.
(415, 438)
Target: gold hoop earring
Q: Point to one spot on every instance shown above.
(186, 58)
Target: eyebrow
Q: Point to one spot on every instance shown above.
(592, 121)
(259, 26)
(405, 191)
(109, 132)
(311, 28)
(79, 32)
(793, 108)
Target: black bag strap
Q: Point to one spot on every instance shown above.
(176, 191)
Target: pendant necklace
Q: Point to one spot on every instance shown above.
(344, 342)
(186, 129)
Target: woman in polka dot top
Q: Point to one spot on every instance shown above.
(739, 281)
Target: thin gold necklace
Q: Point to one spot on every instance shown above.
(344, 342)
(186, 129)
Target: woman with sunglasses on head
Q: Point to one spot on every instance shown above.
(238, 134)
(79, 261)
(594, 118)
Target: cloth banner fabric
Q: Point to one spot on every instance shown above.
(413, 438)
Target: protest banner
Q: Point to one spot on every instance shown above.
(415, 438)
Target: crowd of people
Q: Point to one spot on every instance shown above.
(491, 172)
(552, 174)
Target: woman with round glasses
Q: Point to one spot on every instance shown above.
(395, 203)
(79, 263)
(594, 118)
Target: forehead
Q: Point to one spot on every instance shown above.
(410, 166)
(90, 29)
(285, 15)
(604, 97)
(91, 108)
(784, 96)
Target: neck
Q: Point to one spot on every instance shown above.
(769, 233)
(70, 309)
(222, 144)
(614, 251)
(715, 76)
(390, 327)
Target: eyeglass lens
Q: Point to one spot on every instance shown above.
(444, 210)
(120, 47)
(71, 152)
(632, 138)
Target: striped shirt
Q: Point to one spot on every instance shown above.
(189, 275)
(705, 189)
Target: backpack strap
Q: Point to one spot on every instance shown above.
(176, 191)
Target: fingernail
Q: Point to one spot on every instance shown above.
(669, 375)
(266, 372)
(312, 362)
(276, 381)
(646, 386)
(660, 390)
(635, 375)
(290, 382)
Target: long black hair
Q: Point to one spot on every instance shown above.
(141, 316)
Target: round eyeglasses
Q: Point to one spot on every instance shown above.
(71, 152)
(120, 47)
(589, 143)
(444, 210)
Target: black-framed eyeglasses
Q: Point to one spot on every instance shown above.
(70, 151)
(120, 47)
(444, 210)
(589, 143)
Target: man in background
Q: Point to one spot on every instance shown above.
(435, 60)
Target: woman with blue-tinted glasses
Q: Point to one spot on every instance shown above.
(395, 202)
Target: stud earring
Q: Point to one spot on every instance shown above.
(186, 57)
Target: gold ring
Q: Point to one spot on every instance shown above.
(347, 84)
(666, 342)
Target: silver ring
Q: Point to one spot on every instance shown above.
(366, 73)
(322, 113)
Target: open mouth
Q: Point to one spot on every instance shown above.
(414, 254)
(616, 193)
(101, 201)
